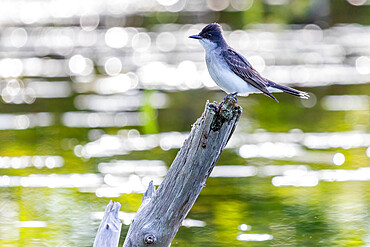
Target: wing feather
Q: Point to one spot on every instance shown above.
(241, 67)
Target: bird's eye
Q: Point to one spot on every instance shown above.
(209, 35)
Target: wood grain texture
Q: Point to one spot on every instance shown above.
(110, 227)
(163, 210)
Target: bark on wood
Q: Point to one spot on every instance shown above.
(163, 210)
(110, 227)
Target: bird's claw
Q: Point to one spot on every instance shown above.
(233, 95)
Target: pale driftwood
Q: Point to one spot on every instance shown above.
(110, 227)
(162, 212)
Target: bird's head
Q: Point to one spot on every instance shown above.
(210, 36)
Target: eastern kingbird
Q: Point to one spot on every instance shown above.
(231, 71)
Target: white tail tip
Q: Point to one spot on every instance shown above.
(304, 95)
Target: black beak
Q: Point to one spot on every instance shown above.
(195, 37)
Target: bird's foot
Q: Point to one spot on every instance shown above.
(233, 95)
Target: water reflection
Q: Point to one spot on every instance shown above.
(37, 161)
(323, 140)
(31, 224)
(293, 175)
(234, 171)
(270, 150)
(346, 102)
(115, 177)
(52, 181)
(133, 176)
(118, 103)
(265, 144)
(25, 121)
(110, 145)
(130, 176)
(138, 167)
(299, 177)
(254, 237)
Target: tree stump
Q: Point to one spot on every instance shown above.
(163, 210)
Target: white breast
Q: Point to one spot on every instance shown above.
(224, 77)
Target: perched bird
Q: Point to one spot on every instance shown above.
(231, 71)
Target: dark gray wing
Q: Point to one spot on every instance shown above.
(241, 67)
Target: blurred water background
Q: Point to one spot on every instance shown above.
(98, 96)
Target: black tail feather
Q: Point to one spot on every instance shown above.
(289, 90)
(270, 95)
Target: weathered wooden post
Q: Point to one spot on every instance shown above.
(110, 227)
(162, 211)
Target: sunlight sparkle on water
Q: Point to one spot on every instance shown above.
(18, 37)
(90, 21)
(254, 237)
(53, 180)
(38, 161)
(244, 227)
(116, 37)
(260, 144)
(166, 41)
(48, 89)
(297, 180)
(115, 185)
(138, 167)
(30, 120)
(233, 171)
(141, 42)
(350, 139)
(345, 102)
(173, 140)
(80, 65)
(101, 119)
(363, 65)
(193, 223)
(31, 223)
(338, 159)
(270, 150)
(274, 170)
(109, 145)
(10, 67)
(309, 178)
(117, 102)
(113, 66)
(120, 83)
(357, 2)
